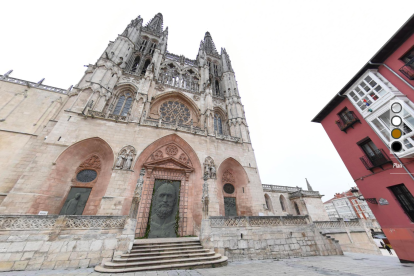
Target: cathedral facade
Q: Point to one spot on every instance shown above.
(141, 118)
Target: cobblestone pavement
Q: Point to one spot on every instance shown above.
(352, 264)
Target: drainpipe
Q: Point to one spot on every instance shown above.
(392, 71)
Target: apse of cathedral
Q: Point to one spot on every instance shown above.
(139, 118)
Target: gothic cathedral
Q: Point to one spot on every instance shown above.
(148, 134)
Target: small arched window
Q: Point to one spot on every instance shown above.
(135, 64)
(282, 203)
(268, 203)
(217, 87)
(123, 105)
(218, 126)
(297, 208)
(146, 64)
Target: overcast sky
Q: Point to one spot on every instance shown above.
(290, 59)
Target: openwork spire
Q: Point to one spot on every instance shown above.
(156, 24)
(309, 186)
(209, 46)
(226, 61)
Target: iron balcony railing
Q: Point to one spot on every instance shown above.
(347, 120)
(408, 69)
(376, 159)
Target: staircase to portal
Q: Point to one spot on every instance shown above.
(164, 254)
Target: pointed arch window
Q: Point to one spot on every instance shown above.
(123, 105)
(135, 64)
(282, 203)
(297, 208)
(215, 68)
(268, 202)
(217, 88)
(143, 45)
(152, 48)
(146, 64)
(218, 126)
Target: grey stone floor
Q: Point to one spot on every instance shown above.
(351, 264)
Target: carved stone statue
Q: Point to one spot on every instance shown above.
(163, 220)
(125, 158)
(108, 95)
(128, 162)
(120, 160)
(140, 182)
(209, 168)
(72, 206)
(206, 170)
(213, 171)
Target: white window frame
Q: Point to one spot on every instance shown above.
(362, 89)
(407, 139)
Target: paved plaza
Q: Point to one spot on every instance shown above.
(352, 264)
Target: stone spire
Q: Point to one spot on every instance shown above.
(225, 59)
(209, 46)
(309, 186)
(156, 24)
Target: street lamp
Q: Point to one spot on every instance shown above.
(355, 192)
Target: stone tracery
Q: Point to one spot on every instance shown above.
(175, 112)
(171, 150)
(228, 177)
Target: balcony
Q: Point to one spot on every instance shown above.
(408, 70)
(376, 159)
(347, 120)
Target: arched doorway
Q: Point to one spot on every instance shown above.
(233, 192)
(83, 168)
(171, 169)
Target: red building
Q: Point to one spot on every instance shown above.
(357, 120)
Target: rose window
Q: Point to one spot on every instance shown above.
(172, 112)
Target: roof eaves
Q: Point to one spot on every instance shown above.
(403, 33)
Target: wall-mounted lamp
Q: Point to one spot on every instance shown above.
(355, 192)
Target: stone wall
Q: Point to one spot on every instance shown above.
(353, 236)
(25, 110)
(246, 238)
(59, 242)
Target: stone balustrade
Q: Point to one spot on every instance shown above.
(293, 191)
(33, 84)
(347, 226)
(33, 222)
(258, 221)
(102, 115)
(278, 188)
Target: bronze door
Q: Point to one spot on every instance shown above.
(76, 201)
(230, 207)
(163, 222)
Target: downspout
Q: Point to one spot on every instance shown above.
(392, 71)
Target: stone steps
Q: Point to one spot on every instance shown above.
(170, 257)
(163, 249)
(161, 254)
(165, 245)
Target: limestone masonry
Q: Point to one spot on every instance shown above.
(147, 144)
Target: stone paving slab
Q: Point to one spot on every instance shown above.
(351, 264)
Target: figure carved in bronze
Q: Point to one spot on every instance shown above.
(162, 217)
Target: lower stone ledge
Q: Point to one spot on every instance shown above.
(61, 249)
